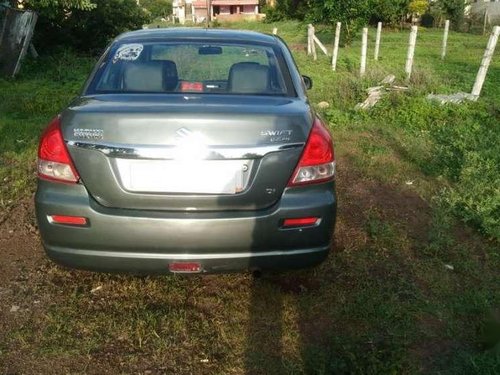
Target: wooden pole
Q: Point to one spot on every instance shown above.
(377, 41)
(445, 38)
(27, 39)
(411, 51)
(364, 48)
(15, 39)
(336, 46)
(209, 6)
(488, 55)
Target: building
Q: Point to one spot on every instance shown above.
(223, 10)
(182, 10)
(475, 5)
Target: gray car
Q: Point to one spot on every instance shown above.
(188, 151)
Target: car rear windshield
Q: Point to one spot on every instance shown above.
(193, 67)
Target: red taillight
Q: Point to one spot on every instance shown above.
(68, 220)
(317, 163)
(300, 222)
(54, 162)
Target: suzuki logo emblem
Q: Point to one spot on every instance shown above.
(183, 133)
(190, 145)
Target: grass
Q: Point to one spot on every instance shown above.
(27, 105)
(409, 289)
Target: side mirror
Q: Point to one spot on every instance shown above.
(308, 82)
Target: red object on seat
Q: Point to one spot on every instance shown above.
(192, 86)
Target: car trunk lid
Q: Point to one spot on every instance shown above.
(177, 152)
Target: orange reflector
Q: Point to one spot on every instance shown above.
(301, 222)
(185, 267)
(68, 220)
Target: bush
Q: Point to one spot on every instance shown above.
(454, 10)
(274, 14)
(87, 30)
(390, 12)
(286, 9)
(354, 14)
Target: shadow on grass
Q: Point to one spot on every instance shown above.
(380, 303)
(355, 313)
(264, 351)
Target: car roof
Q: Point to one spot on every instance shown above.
(197, 33)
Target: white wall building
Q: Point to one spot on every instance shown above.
(182, 10)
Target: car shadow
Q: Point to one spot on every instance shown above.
(264, 350)
(297, 322)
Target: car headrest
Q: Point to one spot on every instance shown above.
(248, 78)
(171, 77)
(151, 76)
(143, 76)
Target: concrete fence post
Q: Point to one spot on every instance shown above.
(411, 51)
(320, 45)
(336, 46)
(485, 63)
(313, 45)
(377, 41)
(445, 39)
(364, 48)
(485, 23)
(309, 40)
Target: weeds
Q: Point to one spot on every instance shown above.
(385, 302)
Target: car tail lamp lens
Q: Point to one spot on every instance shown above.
(54, 162)
(317, 163)
(67, 220)
(300, 222)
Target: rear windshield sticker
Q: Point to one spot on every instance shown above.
(128, 52)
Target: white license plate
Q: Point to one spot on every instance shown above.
(172, 176)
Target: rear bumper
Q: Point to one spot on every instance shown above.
(138, 241)
(155, 263)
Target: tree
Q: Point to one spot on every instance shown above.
(83, 28)
(389, 12)
(353, 14)
(157, 8)
(454, 10)
(286, 9)
(66, 4)
(418, 6)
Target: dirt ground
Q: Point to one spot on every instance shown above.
(25, 272)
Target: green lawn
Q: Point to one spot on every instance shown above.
(413, 283)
